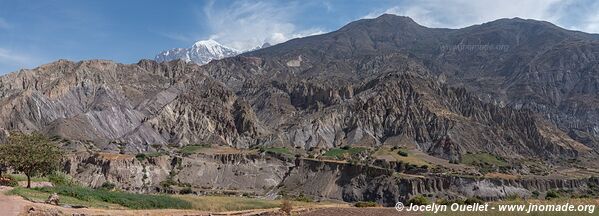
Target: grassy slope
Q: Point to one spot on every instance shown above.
(343, 153)
(280, 150)
(387, 153)
(121, 200)
(21, 177)
(102, 198)
(39, 196)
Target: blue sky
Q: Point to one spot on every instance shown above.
(38, 32)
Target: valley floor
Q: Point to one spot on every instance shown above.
(11, 205)
(31, 204)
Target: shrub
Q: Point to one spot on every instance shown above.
(551, 195)
(167, 183)
(8, 181)
(402, 153)
(186, 190)
(286, 207)
(60, 178)
(449, 202)
(303, 198)
(107, 186)
(513, 197)
(473, 200)
(418, 200)
(365, 204)
(140, 156)
(346, 147)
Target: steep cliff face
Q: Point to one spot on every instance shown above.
(353, 183)
(239, 173)
(268, 175)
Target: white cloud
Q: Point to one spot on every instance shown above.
(247, 24)
(462, 13)
(589, 18)
(591, 24)
(11, 59)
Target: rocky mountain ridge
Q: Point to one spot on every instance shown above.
(384, 81)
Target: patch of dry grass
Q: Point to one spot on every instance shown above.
(231, 203)
(388, 154)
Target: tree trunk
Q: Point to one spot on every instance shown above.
(28, 181)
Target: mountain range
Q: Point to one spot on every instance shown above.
(523, 90)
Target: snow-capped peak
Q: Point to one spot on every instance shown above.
(201, 52)
(207, 43)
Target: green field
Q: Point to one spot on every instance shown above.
(343, 153)
(279, 150)
(104, 198)
(40, 196)
(21, 177)
(92, 198)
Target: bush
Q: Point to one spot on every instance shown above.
(186, 190)
(402, 153)
(286, 207)
(60, 179)
(365, 204)
(140, 156)
(418, 200)
(303, 198)
(535, 194)
(346, 147)
(129, 200)
(107, 186)
(449, 202)
(551, 195)
(513, 197)
(473, 200)
(8, 181)
(167, 183)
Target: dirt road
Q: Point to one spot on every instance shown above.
(11, 205)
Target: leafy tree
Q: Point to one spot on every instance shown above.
(32, 154)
